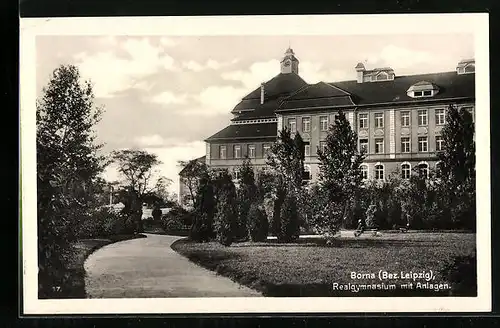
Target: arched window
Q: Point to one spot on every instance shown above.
(470, 68)
(364, 171)
(379, 171)
(382, 76)
(405, 170)
(423, 169)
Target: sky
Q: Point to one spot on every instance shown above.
(166, 94)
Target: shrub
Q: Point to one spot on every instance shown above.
(371, 212)
(462, 273)
(172, 223)
(258, 226)
(156, 213)
(224, 219)
(289, 225)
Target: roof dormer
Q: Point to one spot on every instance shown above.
(422, 89)
(374, 75)
(466, 66)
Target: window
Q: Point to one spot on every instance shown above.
(439, 143)
(379, 146)
(423, 170)
(222, 152)
(363, 145)
(427, 92)
(322, 146)
(364, 171)
(405, 118)
(237, 151)
(265, 149)
(363, 121)
(422, 117)
(405, 144)
(306, 124)
(323, 122)
(470, 68)
(417, 94)
(307, 149)
(422, 144)
(292, 125)
(382, 76)
(379, 120)
(251, 151)
(405, 170)
(440, 117)
(379, 172)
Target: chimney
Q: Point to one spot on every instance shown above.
(261, 93)
(360, 70)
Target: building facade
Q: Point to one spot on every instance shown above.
(398, 119)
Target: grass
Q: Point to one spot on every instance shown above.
(309, 267)
(75, 259)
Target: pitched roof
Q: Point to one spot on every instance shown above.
(450, 84)
(245, 131)
(191, 163)
(275, 89)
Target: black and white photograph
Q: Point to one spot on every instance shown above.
(328, 163)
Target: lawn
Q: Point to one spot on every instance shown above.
(75, 259)
(309, 267)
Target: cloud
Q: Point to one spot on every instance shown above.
(170, 157)
(216, 100)
(209, 64)
(317, 72)
(111, 73)
(156, 140)
(168, 98)
(256, 74)
(167, 42)
(408, 61)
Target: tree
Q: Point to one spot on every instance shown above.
(247, 195)
(225, 218)
(190, 176)
(286, 162)
(340, 173)
(136, 168)
(457, 166)
(258, 226)
(68, 166)
(204, 209)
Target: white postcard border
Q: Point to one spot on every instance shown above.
(255, 25)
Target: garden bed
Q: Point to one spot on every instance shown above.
(310, 268)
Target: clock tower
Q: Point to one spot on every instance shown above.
(289, 63)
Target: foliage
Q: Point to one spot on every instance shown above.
(67, 168)
(190, 175)
(156, 213)
(286, 160)
(457, 168)
(289, 220)
(247, 195)
(462, 273)
(339, 180)
(370, 216)
(258, 225)
(139, 184)
(204, 208)
(225, 218)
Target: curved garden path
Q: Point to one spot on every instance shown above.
(148, 267)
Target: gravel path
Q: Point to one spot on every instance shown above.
(148, 267)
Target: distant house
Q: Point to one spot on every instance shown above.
(184, 192)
